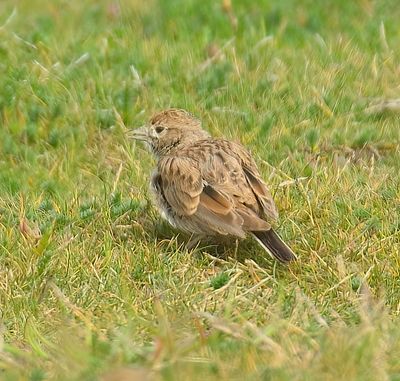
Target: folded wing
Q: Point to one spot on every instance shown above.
(189, 194)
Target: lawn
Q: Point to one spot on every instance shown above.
(93, 286)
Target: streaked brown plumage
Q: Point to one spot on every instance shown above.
(207, 186)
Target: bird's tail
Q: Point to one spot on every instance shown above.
(273, 245)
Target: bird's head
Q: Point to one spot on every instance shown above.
(169, 129)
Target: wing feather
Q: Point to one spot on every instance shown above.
(188, 194)
(262, 193)
(255, 182)
(224, 193)
(181, 184)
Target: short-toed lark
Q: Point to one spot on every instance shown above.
(207, 186)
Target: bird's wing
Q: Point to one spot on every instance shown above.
(189, 195)
(181, 184)
(262, 192)
(255, 182)
(223, 171)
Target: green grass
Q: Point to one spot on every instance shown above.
(92, 283)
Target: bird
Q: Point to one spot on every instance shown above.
(208, 187)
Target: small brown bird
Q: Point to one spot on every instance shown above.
(207, 186)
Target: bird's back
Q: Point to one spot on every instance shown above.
(226, 166)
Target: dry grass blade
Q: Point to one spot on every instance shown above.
(9, 19)
(217, 55)
(32, 233)
(228, 9)
(247, 332)
(287, 183)
(381, 106)
(78, 312)
(135, 75)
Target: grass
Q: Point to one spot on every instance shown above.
(93, 286)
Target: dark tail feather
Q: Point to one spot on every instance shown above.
(274, 245)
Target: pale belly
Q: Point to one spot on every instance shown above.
(160, 203)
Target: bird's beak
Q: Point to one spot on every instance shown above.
(141, 133)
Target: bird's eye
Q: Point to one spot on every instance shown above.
(159, 129)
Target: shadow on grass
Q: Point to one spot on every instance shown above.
(223, 248)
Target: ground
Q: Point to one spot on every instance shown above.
(93, 286)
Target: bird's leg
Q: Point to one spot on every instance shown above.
(236, 247)
(194, 241)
